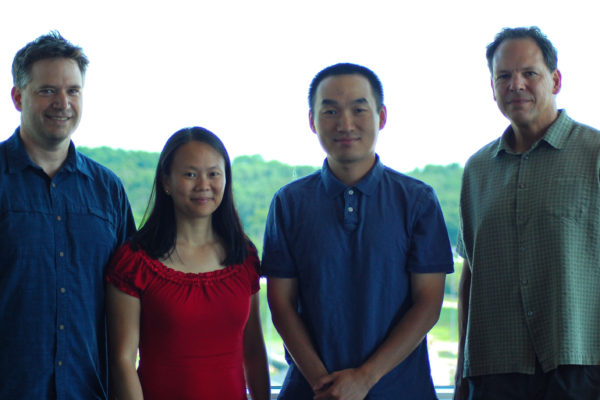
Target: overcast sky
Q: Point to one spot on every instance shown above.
(242, 69)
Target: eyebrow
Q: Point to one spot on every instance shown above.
(49, 86)
(329, 102)
(208, 168)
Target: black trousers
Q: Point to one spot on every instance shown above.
(567, 382)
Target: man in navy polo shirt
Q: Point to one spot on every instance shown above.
(61, 217)
(355, 256)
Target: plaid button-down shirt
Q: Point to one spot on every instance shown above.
(531, 233)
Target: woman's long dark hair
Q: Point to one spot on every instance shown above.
(158, 232)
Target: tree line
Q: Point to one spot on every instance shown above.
(255, 181)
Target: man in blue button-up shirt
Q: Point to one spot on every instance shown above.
(61, 217)
(355, 256)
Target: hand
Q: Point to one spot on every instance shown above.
(348, 384)
(461, 389)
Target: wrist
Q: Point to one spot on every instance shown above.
(368, 375)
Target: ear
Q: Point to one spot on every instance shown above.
(16, 95)
(382, 117)
(164, 180)
(557, 81)
(311, 121)
(493, 89)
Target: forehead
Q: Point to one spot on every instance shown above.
(55, 71)
(517, 53)
(344, 87)
(196, 152)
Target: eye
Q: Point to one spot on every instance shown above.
(189, 174)
(214, 174)
(74, 92)
(46, 91)
(360, 110)
(329, 112)
(502, 77)
(529, 74)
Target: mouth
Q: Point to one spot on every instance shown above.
(346, 140)
(518, 101)
(59, 118)
(202, 200)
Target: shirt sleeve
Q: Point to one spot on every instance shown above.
(252, 264)
(126, 226)
(277, 260)
(125, 271)
(430, 250)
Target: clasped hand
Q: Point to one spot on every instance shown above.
(347, 384)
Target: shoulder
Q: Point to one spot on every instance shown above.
(97, 171)
(300, 185)
(484, 154)
(127, 259)
(298, 190)
(585, 134)
(404, 185)
(130, 270)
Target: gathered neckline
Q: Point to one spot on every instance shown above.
(188, 277)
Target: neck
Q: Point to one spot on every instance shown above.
(352, 172)
(526, 135)
(195, 232)
(48, 158)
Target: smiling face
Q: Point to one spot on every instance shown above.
(197, 180)
(50, 104)
(524, 88)
(346, 120)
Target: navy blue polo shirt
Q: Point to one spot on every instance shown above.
(352, 249)
(56, 236)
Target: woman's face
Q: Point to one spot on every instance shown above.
(197, 180)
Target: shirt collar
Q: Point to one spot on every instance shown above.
(556, 135)
(18, 159)
(367, 185)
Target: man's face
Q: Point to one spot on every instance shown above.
(50, 104)
(523, 86)
(346, 120)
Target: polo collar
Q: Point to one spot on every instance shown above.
(367, 185)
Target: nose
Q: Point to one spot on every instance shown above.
(61, 100)
(345, 122)
(517, 82)
(201, 183)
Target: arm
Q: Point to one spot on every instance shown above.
(123, 316)
(282, 294)
(461, 390)
(256, 368)
(427, 295)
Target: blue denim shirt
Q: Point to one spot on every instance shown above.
(352, 250)
(56, 237)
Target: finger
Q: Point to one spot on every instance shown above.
(323, 382)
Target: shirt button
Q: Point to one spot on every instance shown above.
(53, 184)
(350, 209)
(59, 363)
(529, 313)
(62, 290)
(61, 254)
(58, 218)
(61, 327)
(350, 192)
(521, 186)
(524, 281)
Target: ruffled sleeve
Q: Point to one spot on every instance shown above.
(126, 271)
(252, 265)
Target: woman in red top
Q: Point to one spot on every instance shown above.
(184, 289)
